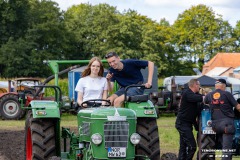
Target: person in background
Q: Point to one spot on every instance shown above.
(205, 91)
(221, 103)
(186, 119)
(127, 72)
(92, 84)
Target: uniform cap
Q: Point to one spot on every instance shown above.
(221, 81)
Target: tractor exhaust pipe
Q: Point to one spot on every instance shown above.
(9, 85)
(52, 77)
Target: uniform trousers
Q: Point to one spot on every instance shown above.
(187, 141)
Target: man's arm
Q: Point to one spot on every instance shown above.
(110, 85)
(193, 97)
(150, 74)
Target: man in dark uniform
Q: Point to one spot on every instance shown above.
(221, 103)
(186, 118)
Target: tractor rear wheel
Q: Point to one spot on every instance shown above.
(149, 144)
(205, 142)
(39, 138)
(10, 107)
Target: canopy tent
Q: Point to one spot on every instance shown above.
(206, 81)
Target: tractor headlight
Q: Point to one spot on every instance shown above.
(96, 138)
(135, 138)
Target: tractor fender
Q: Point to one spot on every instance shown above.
(45, 109)
(6, 93)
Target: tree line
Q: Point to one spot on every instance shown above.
(35, 30)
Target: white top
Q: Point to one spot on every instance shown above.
(92, 88)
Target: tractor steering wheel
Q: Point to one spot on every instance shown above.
(95, 103)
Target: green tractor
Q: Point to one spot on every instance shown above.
(104, 132)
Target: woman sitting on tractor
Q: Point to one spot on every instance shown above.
(92, 85)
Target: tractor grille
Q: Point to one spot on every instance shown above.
(85, 128)
(116, 134)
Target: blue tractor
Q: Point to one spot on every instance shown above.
(208, 149)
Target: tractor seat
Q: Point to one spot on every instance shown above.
(138, 98)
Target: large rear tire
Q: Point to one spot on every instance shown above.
(10, 108)
(40, 138)
(205, 142)
(149, 144)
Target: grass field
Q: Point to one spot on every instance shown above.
(169, 137)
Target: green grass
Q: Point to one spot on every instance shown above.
(160, 81)
(63, 84)
(169, 137)
(67, 120)
(12, 125)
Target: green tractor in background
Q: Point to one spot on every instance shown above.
(104, 132)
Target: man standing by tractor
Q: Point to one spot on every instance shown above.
(186, 119)
(127, 72)
(221, 103)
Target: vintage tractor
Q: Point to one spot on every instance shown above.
(167, 100)
(207, 137)
(104, 132)
(9, 104)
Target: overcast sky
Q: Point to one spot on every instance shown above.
(168, 9)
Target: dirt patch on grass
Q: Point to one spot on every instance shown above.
(12, 144)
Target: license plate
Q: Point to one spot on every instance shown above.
(116, 152)
(208, 132)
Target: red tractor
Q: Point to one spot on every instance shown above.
(9, 105)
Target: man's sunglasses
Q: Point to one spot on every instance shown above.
(111, 54)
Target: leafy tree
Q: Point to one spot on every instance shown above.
(43, 38)
(198, 31)
(13, 19)
(237, 36)
(92, 28)
(35, 30)
(47, 29)
(157, 47)
(16, 59)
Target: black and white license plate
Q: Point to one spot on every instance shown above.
(208, 130)
(116, 152)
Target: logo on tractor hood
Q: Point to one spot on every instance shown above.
(116, 117)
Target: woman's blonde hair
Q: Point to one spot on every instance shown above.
(87, 71)
(205, 91)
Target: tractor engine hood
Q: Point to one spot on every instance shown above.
(110, 114)
(111, 124)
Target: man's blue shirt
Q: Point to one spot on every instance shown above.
(131, 72)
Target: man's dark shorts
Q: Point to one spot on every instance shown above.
(131, 91)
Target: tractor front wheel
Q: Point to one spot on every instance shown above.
(10, 107)
(149, 144)
(39, 138)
